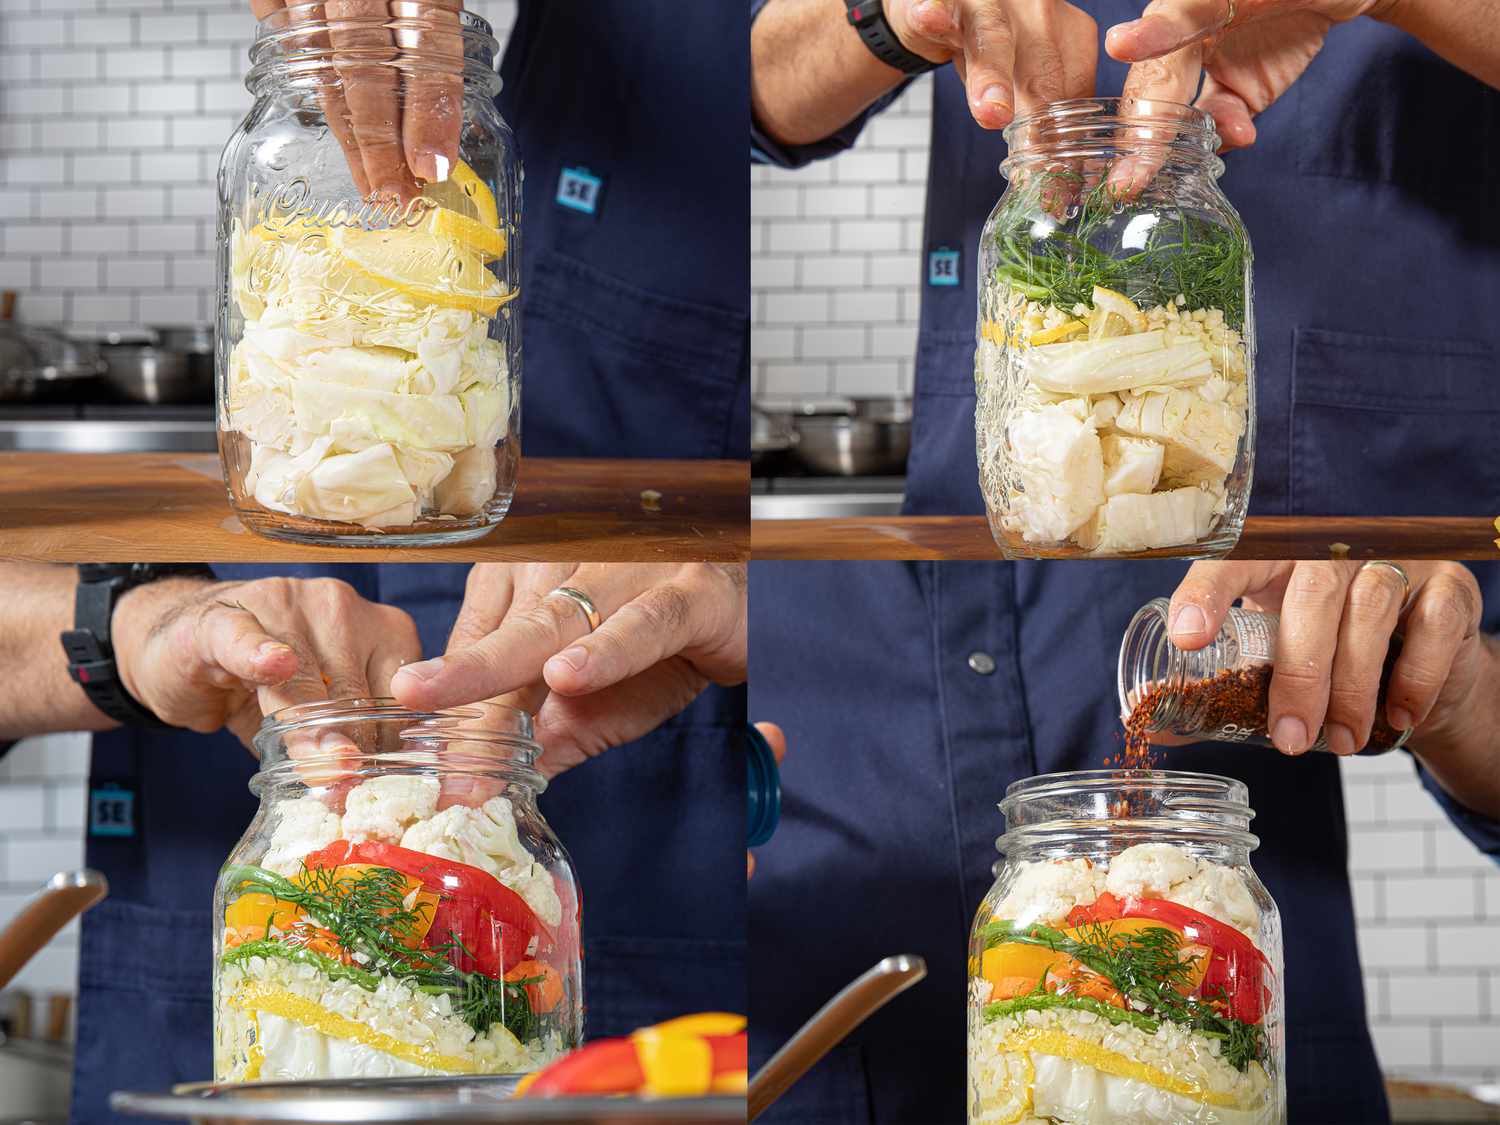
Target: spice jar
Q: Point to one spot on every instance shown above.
(1126, 964)
(1114, 363)
(398, 907)
(1219, 693)
(369, 339)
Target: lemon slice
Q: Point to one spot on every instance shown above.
(425, 267)
(468, 234)
(465, 193)
(1114, 315)
(1057, 332)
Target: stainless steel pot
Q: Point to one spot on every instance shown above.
(873, 440)
(144, 372)
(35, 360)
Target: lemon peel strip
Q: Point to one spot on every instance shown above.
(1067, 1046)
(288, 1005)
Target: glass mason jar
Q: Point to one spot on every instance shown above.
(1115, 359)
(369, 340)
(398, 907)
(1126, 964)
(1222, 692)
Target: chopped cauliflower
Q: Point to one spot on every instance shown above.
(1045, 892)
(1149, 871)
(384, 808)
(302, 826)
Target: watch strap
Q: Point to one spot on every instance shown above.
(88, 645)
(868, 18)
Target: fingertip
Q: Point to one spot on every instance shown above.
(1118, 41)
(930, 19)
(569, 672)
(1188, 626)
(993, 107)
(774, 736)
(1400, 717)
(273, 663)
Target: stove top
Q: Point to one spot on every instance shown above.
(107, 427)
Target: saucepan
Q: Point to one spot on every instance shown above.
(38, 362)
(160, 366)
(871, 439)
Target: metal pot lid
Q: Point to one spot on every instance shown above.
(126, 338)
(805, 407)
(403, 1100)
(32, 351)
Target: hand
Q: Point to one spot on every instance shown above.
(396, 125)
(776, 739)
(1246, 63)
(665, 633)
(1336, 624)
(1013, 55)
(205, 655)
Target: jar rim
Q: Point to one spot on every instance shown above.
(501, 722)
(1092, 112)
(280, 47)
(1192, 807)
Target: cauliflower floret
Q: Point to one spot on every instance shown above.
(302, 826)
(1220, 893)
(533, 882)
(1149, 871)
(1046, 891)
(485, 837)
(384, 808)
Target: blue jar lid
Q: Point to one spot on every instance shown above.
(762, 787)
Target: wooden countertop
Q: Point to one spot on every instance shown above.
(1265, 537)
(171, 507)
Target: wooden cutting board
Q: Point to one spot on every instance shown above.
(171, 507)
(1265, 537)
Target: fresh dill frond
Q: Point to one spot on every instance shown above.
(1186, 254)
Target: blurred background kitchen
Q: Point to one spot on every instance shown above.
(112, 117)
(835, 270)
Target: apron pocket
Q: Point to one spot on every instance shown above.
(1368, 127)
(635, 982)
(1388, 426)
(618, 371)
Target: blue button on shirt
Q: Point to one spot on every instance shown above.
(899, 753)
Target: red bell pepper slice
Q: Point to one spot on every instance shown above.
(1236, 969)
(610, 1066)
(493, 922)
(613, 1066)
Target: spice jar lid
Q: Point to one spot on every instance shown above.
(762, 788)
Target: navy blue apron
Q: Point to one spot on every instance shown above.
(656, 830)
(899, 752)
(636, 266)
(1377, 274)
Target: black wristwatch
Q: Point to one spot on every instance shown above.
(91, 657)
(868, 18)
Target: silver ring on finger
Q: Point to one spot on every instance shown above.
(1229, 18)
(584, 603)
(1399, 571)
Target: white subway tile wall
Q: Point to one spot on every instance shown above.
(835, 262)
(112, 117)
(42, 793)
(1428, 907)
